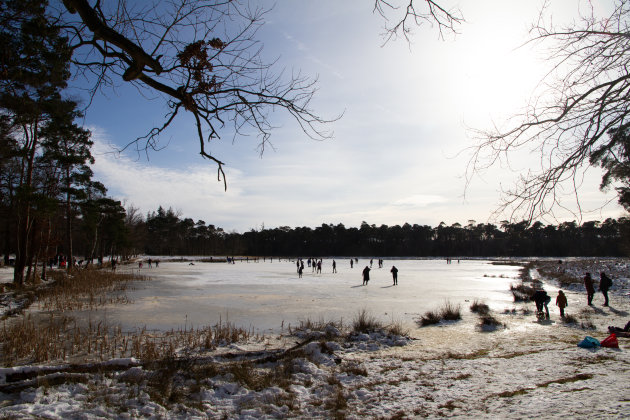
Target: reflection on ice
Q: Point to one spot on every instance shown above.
(266, 295)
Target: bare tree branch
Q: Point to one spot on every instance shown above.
(403, 22)
(586, 95)
(201, 56)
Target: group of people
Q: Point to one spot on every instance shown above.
(366, 274)
(317, 268)
(151, 261)
(312, 262)
(605, 283)
(380, 263)
(542, 299)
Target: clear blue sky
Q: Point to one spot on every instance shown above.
(398, 154)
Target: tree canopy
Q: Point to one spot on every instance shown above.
(166, 233)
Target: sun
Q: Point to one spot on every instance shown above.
(494, 70)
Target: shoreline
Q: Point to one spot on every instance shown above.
(452, 369)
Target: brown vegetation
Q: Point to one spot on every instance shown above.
(448, 312)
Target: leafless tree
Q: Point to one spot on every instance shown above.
(200, 56)
(585, 95)
(403, 15)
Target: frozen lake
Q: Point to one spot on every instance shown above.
(268, 295)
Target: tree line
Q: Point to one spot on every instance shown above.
(163, 232)
(50, 204)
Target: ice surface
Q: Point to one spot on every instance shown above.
(268, 295)
(529, 369)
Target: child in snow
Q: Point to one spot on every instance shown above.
(562, 303)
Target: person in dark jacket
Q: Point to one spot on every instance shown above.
(366, 275)
(394, 271)
(542, 299)
(590, 289)
(604, 284)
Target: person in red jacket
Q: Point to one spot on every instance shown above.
(561, 302)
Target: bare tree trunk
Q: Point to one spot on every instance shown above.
(24, 216)
(22, 246)
(94, 242)
(69, 224)
(46, 250)
(33, 254)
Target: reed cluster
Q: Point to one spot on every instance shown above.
(85, 289)
(448, 312)
(59, 338)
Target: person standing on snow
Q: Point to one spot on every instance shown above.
(561, 302)
(394, 271)
(366, 275)
(590, 290)
(604, 284)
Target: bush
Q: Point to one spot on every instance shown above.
(521, 292)
(479, 308)
(429, 318)
(365, 323)
(451, 312)
(448, 312)
(396, 328)
(487, 322)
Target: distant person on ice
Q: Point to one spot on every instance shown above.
(561, 302)
(366, 275)
(334, 266)
(590, 290)
(394, 271)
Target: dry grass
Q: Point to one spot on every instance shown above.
(577, 377)
(60, 338)
(397, 328)
(366, 323)
(477, 354)
(429, 318)
(487, 322)
(354, 368)
(448, 312)
(480, 308)
(85, 289)
(556, 272)
(308, 327)
(521, 292)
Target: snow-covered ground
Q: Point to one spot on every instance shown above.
(527, 369)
